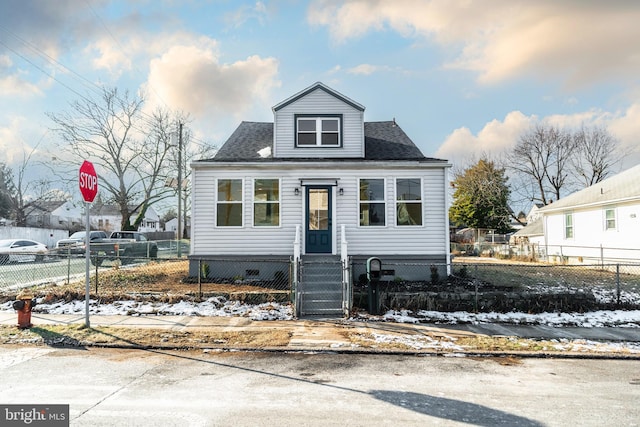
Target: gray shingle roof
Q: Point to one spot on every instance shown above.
(620, 187)
(383, 141)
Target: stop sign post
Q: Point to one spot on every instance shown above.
(88, 183)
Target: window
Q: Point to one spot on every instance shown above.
(266, 202)
(408, 202)
(568, 226)
(372, 205)
(610, 219)
(229, 203)
(318, 131)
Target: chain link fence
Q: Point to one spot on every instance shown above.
(503, 287)
(465, 285)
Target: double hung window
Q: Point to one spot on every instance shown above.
(318, 131)
(408, 201)
(568, 226)
(610, 219)
(372, 202)
(266, 202)
(229, 203)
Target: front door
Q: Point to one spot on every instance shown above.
(318, 232)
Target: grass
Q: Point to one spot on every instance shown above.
(78, 335)
(159, 281)
(522, 275)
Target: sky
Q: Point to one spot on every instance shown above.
(461, 77)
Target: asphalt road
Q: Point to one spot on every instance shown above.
(107, 387)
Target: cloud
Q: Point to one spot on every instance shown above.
(12, 143)
(498, 137)
(368, 69)
(192, 79)
(579, 41)
(245, 13)
(494, 138)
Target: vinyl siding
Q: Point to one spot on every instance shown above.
(318, 103)
(589, 232)
(430, 238)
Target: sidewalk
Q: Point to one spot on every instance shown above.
(333, 334)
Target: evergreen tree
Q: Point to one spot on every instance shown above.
(481, 198)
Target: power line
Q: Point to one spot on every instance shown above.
(86, 83)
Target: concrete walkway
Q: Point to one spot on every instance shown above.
(331, 333)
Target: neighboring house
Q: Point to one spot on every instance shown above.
(529, 240)
(319, 183)
(600, 223)
(172, 225)
(108, 218)
(58, 214)
(534, 212)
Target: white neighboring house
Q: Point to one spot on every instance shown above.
(320, 183)
(598, 224)
(62, 214)
(108, 218)
(172, 225)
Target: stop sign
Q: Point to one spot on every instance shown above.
(88, 181)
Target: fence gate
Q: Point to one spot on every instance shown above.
(320, 289)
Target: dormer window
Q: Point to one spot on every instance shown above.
(318, 131)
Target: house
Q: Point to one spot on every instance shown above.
(108, 218)
(598, 224)
(319, 184)
(529, 240)
(534, 212)
(172, 225)
(57, 214)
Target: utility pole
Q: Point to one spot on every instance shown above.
(179, 231)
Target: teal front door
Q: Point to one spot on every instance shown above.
(318, 230)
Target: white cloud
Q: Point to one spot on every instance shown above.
(245, 13)
(502, 39)
(12, 143)
(494, 138)
(15, 85)
(191, 78)
(368, 69)
(497, 137)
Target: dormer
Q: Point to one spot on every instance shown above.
(318, 122)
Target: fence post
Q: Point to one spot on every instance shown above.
(200, 278)
(601, 256)
(96, 276)
(618, 284)
(69, 265)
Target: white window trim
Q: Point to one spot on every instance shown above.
(396, 201)
(241, 202)
(615, 218)
(318, 131)
(383, 201)
(564, 226)
(253, 203)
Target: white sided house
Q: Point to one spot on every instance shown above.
(600, 224)
(319, 185)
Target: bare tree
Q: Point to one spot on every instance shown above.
(6, 187)
(24, 194)
(597, 153)
(190, 151)
(542, 157)
(128, 149)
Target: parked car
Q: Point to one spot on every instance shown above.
(75, 244)
(123, 245)
(21, 250)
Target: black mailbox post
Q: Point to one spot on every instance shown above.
(374, 271)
